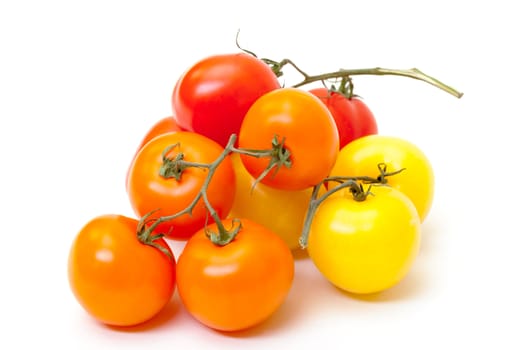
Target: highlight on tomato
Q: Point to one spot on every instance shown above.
(417, 181)
(237, 285)
(365, 246)
(352, 116)
(163, 180)
(213, 96)
(120, 273)
(302, 129)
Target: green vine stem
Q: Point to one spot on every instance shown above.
(145, 236)
(413, 73)
(173, 167)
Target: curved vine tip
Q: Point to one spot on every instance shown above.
(240, 47)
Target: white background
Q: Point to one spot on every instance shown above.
(81, 82)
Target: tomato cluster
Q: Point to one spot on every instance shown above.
(245, 172)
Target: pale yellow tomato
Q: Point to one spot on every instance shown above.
(362, 156)
(365, 246)
(281, 211)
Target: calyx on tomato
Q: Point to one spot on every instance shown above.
(355, 186)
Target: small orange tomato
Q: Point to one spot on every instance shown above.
(162, 126)
(237, 285)
(307, 129)
(116, 278)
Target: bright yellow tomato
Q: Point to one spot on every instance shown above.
(365, 246)
(362, 156)
(279, 210)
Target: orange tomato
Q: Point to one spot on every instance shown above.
(117, 279)
(309, 132)
(162, 126)
(149, 191)
(238, 285)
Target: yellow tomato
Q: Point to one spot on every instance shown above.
(365, 246)
(281, 211)
(362, 156)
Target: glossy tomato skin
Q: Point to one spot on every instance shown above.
(118, 280)
(365, 247)
(281, 211)
(310, 135)
(213, 96)
(236, 286)
(352, 116)
(417, 181)
(148, 191)
(162, 126)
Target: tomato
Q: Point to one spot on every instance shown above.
(365, 246)
(238, 285)
(352, 116)
(149, 191)
(281, 211)
(117, 279)
(162, 126)
(309, 133)
(361, 157)
(213, 96)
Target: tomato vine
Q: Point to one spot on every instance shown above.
(354, 185)
(280, 156)
(346, 74)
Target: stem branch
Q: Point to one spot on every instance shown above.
(173, 167)
(354, 183)
(413, 73)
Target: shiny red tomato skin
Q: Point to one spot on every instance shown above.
(212, 97)
(353, 117)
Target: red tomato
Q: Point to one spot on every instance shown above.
(116, 278)
(149, 191)
(238, 285)
(310, 135)
(213, 96)
(353, 117)
(162, 126)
